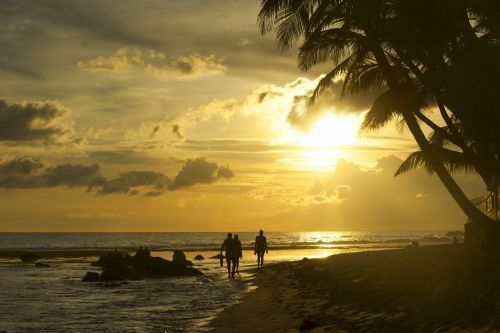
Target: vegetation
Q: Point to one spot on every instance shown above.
(424, 55)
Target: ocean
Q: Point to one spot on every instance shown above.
(53, 299)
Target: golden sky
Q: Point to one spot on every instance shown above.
(166, 115)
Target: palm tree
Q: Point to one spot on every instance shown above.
(353, 35)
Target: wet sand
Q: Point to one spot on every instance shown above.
(429, 289)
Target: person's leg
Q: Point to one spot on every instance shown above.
(237, 264)
(234, 267)
(262, 259)
(258, 259)
(228, 264)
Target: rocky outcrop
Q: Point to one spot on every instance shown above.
(122, 266)
(199, 257)
(180, 258)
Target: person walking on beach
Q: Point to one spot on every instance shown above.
(238, 251)
(229, 245)
(260, 248)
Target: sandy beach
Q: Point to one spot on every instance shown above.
(449, 288)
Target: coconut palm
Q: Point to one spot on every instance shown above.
(353, 34)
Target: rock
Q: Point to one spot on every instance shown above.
(199, 257)
(218, 256)
(29, 257)
(41, 264)
(91, 277)
(112, 258)
(118, 266)
(307, 325)
(115, 271)
(180, 258)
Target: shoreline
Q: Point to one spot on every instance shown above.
(446, 288)
(82, 253)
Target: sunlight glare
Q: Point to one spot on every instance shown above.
(331, 130)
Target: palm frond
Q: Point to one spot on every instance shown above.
(384, 108)
(454, 161)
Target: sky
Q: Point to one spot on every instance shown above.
(165, 115)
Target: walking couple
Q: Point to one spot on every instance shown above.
(232, 246)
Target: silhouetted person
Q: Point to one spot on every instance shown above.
(260, 248)
(238, 251)
(147, 252)
(229, 245)
(140, 252)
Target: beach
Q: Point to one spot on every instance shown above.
(33, 297)
(447, 288)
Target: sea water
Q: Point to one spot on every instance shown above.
(54, 299)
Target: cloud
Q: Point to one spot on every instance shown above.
(125, 181)
(27, 172)
(189, 67)
(122, 58)
(36, 121)
(156, 63)
(245, 42)
(176, 129)
(197, 171)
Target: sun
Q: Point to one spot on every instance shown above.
(331, 130)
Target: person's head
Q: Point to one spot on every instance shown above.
(261, 232)
(229, 235)
(235, 236)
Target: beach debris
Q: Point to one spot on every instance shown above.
(414, 243)
(29, 257)
(307, 324)
(199, 257)
(118, 266)
(41, 264)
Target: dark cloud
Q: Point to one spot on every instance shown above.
(197, 171)
(23, 166)
(71, 175)
(176, 129)
(26, 172)
(126, 181)
(33, 121)
(154, 131)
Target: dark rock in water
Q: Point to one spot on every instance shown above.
(307, 325)
(118, 266)
(112, 258)
(218, 256)
(91, 277)
(29, 257)
(41, 264)
(180, 258)
(199, 257)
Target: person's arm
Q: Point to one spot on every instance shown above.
(222, 247)
(255, 246)
(265, 244)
